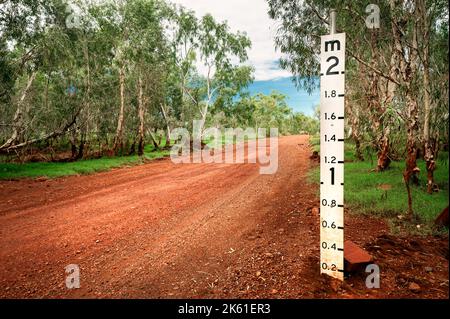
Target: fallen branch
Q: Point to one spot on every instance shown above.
(60, 131)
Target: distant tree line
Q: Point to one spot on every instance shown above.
(107, 77)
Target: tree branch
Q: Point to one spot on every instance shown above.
(380, 73)
(60, 131)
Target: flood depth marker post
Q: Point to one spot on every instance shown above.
(332, 92)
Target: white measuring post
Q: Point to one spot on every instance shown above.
(332, 92)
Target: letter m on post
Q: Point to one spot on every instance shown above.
(331, 44)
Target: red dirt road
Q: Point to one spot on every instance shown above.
(162, 230)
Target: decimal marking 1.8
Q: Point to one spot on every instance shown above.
(330, 94)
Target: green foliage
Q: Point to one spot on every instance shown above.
(383, 193)
(53, 170)
(271, 111)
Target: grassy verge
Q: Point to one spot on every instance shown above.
(384, 194)
(52, 170)
(226, 140)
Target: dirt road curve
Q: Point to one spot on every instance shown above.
(193, 230)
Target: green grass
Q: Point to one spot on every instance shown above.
(225, 140)
(53, 170)
(363, 195)
(315, 143)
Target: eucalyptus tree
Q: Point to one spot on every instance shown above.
(301, 25)
(20, 30)
(184, 48)
(271, 111)
(389, 68)
(42, 49)
(147, 49)
(235, 81)
(217, 47)
(432, 17)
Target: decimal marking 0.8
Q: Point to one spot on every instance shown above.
(332, 203)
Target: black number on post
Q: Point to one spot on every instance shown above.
(336, 62)
(332, 175)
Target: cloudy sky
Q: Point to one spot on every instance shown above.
(250, 16)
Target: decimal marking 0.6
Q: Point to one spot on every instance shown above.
(331, 225)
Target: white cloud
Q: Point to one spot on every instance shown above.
(249, 16)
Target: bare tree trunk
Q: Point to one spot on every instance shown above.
(408, 65)
(381, 129)
(377, 108)
(204, 111)
(429, 154)
(85, 113)
(168, 137)
(429, 145)
(73, 143)
(141, 112)
(383, 159)
(118, 140)
(166, 119)
(353, 116)
(18, 116)
(154, 141)
(411, 158)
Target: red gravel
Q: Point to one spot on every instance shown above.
(196, 230)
